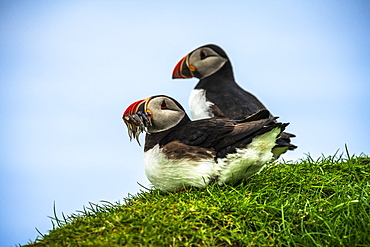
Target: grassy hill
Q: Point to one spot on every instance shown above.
(322, 202)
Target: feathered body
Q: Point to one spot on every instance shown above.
(181, 153)
(217, 94)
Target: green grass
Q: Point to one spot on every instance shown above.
(322, 202)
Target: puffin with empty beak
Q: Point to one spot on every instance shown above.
(217, 94)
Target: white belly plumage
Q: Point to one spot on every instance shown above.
(172, 175)
(199, 106)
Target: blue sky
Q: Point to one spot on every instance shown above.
(68, 70)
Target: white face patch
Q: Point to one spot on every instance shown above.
(200, 108)
(166, 114)
(206, 61)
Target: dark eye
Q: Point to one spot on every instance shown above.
(202, 55)
(164, 105)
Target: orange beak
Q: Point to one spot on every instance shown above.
(181, 70)
(132, 109)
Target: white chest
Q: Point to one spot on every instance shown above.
(171, 175)
(199, 106)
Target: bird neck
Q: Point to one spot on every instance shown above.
(222, 78)
(152, 139)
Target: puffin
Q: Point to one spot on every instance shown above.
(180, 153)
(217, 94)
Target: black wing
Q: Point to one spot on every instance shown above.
(204, 133)
(221, 135)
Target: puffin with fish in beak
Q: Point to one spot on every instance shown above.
(180, 153)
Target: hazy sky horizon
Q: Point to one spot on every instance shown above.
(69, 69)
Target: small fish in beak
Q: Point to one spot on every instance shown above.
(137, 119)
